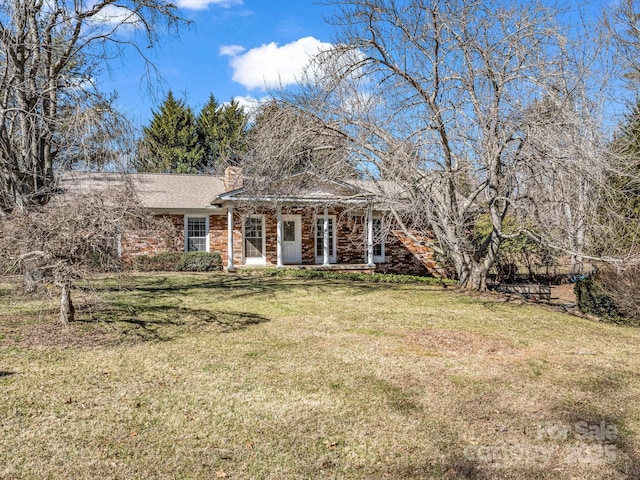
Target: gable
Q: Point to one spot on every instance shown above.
(302, 187)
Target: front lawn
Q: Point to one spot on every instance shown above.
(241, 376)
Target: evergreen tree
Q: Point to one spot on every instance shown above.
(170, 143)
(626, 150)
(222, 132)
(621, 212)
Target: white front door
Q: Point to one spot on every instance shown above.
(291, 239)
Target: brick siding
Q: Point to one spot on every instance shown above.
(142, 242)
(402, 254)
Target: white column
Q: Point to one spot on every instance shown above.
(279, 236)
(325, 240)
(370, 237)
(230, 267)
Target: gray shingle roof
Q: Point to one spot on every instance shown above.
(157, 191)
(191, 192)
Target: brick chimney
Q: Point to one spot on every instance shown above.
(232, 178)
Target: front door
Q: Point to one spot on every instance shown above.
(291, 239)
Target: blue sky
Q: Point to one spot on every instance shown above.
(233, 49)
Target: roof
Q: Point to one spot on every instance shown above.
(177, 191)
(156, 190)
(196, 192)
(301, 187)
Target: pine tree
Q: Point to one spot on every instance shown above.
(622, 188)
(626, 149)
(170, 143)
(222, 132)
(206, 126)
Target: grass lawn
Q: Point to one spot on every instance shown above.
(223, 376)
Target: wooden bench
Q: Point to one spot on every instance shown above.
(533, 291)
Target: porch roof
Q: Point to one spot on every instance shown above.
(302, 188)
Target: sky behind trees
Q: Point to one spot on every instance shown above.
(239, 48)
(233, 49)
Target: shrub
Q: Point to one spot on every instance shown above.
(594, 300)
(200, 262)
(179, 262)
(611, 295)
(162, 262)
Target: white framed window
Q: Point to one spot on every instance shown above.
(378, 241)
(254, 239)
(319, 247)
(196, 233)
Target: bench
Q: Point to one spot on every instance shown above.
(533, 291)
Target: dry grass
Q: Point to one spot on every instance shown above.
(216, 376)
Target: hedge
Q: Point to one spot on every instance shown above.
(612, 295)
(179, 262)
(592, 299)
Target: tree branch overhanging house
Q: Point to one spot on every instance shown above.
(303, 221)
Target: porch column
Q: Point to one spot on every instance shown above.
(279, 236)
(325, 240)
(370, 237)
(230, 267)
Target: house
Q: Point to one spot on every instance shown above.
(306, 222)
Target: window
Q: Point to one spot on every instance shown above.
(320, 239)
(196, 234)
(253, 238)
(378, 241)
(289, 231)
(377, 238)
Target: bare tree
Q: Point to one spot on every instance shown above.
(564, 179)
(73, 236)
(286, 140)
(50, 54)
(623, 25)
(441, 107)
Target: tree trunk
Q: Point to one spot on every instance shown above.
(67, 310)
(473, 276)
(32, 277)
(577, 265)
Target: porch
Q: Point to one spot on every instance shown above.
(303, 238)
(335, 267)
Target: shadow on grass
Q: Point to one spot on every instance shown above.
(240, 286)
(6, 374)
(603, 437)
(164, 323)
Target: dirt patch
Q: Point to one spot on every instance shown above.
(451, 341)
(563, 293)
(57, 335)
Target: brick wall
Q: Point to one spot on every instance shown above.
(143, 242)
(402, 255)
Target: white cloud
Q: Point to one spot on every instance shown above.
(249, 102)
(251, 105)
(202, 4)
(231, 50)
(115, 15)
(270, 65)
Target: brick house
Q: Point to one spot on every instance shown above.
(316, 223)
